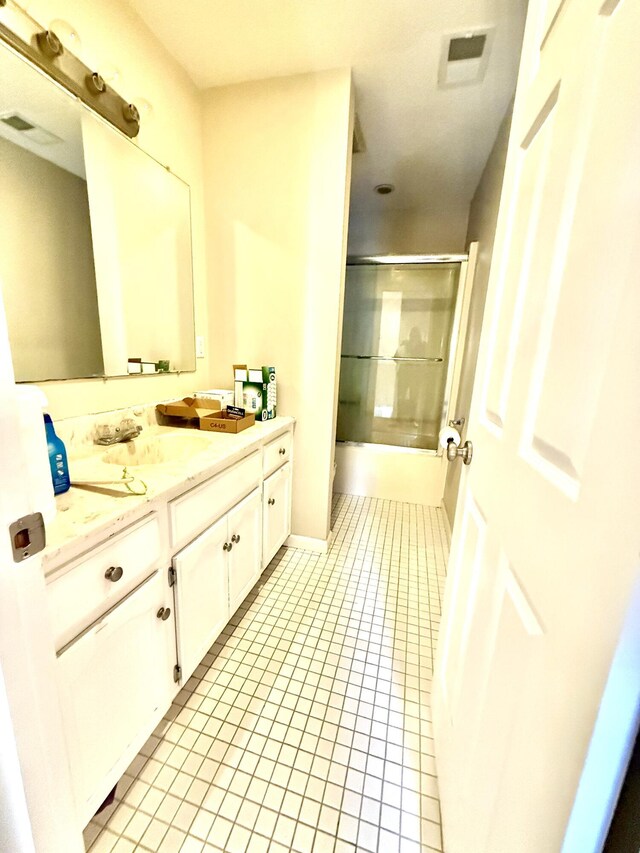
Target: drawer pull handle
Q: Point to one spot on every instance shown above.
(227, 546)
(235, 538)
(164, 613)
(114, 573)
(271, 501)
(282, 451)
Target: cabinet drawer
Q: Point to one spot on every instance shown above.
(88, 587)
(192, 512)
(276, 453)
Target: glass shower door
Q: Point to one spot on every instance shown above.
(398, 322)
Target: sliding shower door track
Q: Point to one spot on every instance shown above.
(389, 448)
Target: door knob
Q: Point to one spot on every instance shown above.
(164, 613)
(465, 452)
(114, 573)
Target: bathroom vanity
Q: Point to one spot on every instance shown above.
(140, 586)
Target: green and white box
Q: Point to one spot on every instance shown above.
(258, 389)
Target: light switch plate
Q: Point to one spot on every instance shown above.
(199, 346)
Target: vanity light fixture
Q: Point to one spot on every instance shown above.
(95, 83)
(51, 51)
(49, 44)
(131, 114)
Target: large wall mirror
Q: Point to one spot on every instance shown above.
(95, 240)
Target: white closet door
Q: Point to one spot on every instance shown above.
(245, 538)
(202, 598)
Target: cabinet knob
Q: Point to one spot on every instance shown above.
(114, 573)
(271, 501)
(235, 538)
(227, 546)
(164, 613)
(282, 451)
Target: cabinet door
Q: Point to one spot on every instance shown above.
(202, 596)
(277, 512)
(245, 537)
(114, 681)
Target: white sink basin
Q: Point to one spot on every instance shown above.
(158, 449)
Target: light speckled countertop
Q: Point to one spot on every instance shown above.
(88, 516)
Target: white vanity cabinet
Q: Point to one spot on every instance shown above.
(134, 615)
(201, 592)
(213, 576)
(244, 553)
(276, 525)
(116, 682)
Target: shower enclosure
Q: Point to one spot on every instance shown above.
(399, 332)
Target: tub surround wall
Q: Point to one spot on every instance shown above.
(172, 133)
(277, 174)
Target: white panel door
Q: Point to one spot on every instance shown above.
(37, 809)
(277, 512)
(113, 679)
(245, 539)
(546, 539)
(202, 595)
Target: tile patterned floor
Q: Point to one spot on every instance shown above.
(307, 726)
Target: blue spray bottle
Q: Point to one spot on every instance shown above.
(57, 459)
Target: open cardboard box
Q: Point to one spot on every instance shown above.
(221, 422)
(205, 414)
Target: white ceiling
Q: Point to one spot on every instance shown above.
(431, 143)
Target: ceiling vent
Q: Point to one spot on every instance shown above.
(464, 58)
(27, 129)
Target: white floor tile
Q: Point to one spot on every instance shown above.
(307, 727)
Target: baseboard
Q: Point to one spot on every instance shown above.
(447, 524)
(308, 543)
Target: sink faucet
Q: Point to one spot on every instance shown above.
(108, 434)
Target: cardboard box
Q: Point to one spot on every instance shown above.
(221, 422)
(224, 396)
(202, 413)
(189, 409)
(255, 390)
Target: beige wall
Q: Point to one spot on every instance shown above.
(172, 134)
(398, 232)
(46, 268)
(482, 227)
(277, 172)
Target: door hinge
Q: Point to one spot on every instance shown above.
(172, 576)
(177, 673)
